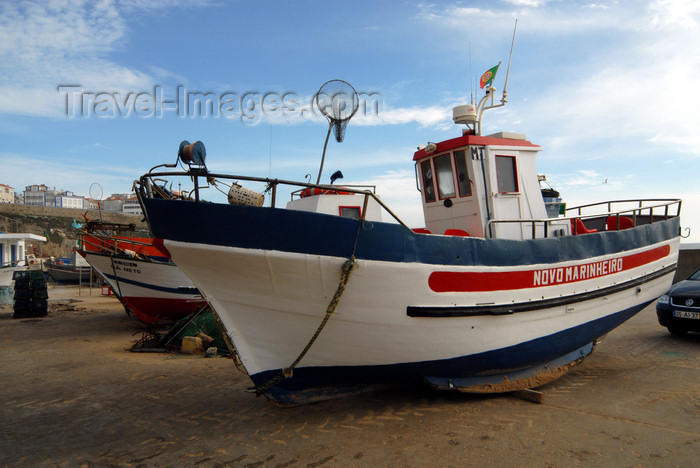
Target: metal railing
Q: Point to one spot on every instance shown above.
(10, 225)
(146, 188)
(665, 203)
(635, 213)
(110, 244)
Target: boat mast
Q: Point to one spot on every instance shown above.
(490, 91)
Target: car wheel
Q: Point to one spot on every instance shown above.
(675, 331)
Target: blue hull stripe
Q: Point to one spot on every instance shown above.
(154, 287)
(314, 383)
(320, 234)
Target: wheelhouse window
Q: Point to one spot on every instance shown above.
(465, 187)
(443, 170)
(350, 212)
(506, 174)
(427, 175)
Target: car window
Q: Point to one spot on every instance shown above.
(695, 276)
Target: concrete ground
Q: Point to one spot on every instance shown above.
(72, 395)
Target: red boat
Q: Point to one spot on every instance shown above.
(139, 271)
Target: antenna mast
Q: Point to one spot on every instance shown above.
(505, 85)
(471, 90)
(491, 90)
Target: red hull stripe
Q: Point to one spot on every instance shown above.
(155, 309)
(451, 281)
(155, 249)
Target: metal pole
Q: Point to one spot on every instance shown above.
(505, 85)
(323, 156)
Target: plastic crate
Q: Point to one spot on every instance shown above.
(22, 304)
(39, 306)
(22, 294)
(20, 274)
(37, 284)
(36, 275)
(39, 293)
(22, 314)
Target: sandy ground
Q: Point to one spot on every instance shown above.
(72, 395)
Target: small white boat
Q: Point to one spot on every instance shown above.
(334, 293)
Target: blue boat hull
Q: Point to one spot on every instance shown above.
(537, 362)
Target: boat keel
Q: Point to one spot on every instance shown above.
(531, 377)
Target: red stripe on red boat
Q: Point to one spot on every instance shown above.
(453, 281)
(156, 309)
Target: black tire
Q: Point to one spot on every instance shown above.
(675, 331)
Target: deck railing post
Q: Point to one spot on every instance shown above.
(364, 206)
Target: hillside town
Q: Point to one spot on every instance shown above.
(42, 195)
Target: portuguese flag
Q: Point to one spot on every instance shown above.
(487, 78)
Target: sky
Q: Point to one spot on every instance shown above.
(95, 93)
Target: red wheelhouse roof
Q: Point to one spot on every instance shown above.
(472, 140)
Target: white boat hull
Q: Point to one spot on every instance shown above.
(468, 313)
(152, 291)
(280, 298)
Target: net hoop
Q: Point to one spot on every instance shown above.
(338, 101)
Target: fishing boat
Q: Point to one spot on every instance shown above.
(332, 293)
(73, 270)
(139, 272)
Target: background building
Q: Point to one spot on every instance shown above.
(69, 200)
(132, 206)
(115, 202)
(41, 195)
(7, 194)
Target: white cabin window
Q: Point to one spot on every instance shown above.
(443, 170)
(465, 187)
(353, 212)
(506, 174)
(427, 175)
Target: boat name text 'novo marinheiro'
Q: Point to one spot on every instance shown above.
(550, 276)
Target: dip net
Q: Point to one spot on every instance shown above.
(338, 101)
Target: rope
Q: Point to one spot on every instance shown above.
(116, 278)
(287, 372)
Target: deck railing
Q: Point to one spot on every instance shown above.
(640, 211)
(146, 187)
(657, 209)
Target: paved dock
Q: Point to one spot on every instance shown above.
(72, 395)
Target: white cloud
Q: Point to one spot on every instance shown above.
(672, 14)
(564, 18)
(114, 179)
(528, 3)
(424, 116)
(397, 189)
(643, 90)
(44, 44)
